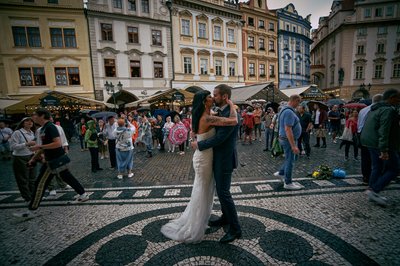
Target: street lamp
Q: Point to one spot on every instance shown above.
(111, 91)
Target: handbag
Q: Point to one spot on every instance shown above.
(321, 133)
(276, 149)
(58, 162)
(347, 135)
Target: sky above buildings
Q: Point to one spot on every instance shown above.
(317, 8)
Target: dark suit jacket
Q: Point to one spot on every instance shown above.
(224, 146)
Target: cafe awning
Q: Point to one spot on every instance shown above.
(54, 100)
(169, 95)
(263, 91)
(307, 92)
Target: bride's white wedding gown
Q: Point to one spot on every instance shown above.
(190, 227)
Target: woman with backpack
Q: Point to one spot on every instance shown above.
(91, 138)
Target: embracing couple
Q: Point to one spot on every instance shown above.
(214, 159)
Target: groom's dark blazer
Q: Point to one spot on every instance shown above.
(224, 146)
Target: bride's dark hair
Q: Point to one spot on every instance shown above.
(198, 108)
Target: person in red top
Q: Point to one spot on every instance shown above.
(351, 123)
(248, 123)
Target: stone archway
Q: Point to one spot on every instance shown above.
(123, 97)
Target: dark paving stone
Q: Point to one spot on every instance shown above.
(286, 246)
(121, 250)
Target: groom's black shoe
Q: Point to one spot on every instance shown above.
(230, 236)
(217, 223)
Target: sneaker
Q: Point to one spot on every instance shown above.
(303, 152)
(82, 198)
(131, 175)
(25, 214)
(53, 193)
(375, 197)
(280, 176)
(292, 186)
(259, 140)
(120, 176)
(102, 157)
(335, 141)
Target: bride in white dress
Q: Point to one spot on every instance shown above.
(190, 227)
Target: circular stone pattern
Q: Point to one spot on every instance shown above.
(286, 246)
(121, 250)
(211, 249)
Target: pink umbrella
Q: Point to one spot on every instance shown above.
(178, 134)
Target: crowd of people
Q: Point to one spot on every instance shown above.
(116, 137)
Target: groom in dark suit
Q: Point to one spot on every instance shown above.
(225, 160)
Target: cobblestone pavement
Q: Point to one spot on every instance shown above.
(326, 223)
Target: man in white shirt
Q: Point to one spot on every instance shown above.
(110, 128)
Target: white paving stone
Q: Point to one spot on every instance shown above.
(264, 187)
(142, 193)
(112, 194)
(352, 181)
(4, 197)
(236, 189)
(323, 183)
(172, 192)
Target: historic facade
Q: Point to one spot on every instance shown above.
(356, 49)
(293, 48)
(260, 55)
(207, 44)
(44, 46)
(130, 43)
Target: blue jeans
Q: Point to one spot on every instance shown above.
(287, 167)
(382, 171)
(269, 136)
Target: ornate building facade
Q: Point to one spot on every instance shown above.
(260, 56)
(293, 48)
(44, 46)
(356, 49)
(130, 43)
(207, 44)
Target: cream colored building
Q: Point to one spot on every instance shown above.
(130, 43)
(44, 46)
(260, 36)
(207, 44)
(356, 49)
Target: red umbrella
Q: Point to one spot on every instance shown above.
(178, 134)
(355, 105)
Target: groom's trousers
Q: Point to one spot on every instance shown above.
(223, 185)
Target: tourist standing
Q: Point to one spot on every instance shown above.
(110, 129)
(166, 130)
(91, 138)
(289, 131)
(306, 126)
(81, 128)
(320, 118)
(248, 123)
(124, 148)
(269, 131)
(334, 121)
(146, 136)
(351, 124)
(257, 122)
(20, 141)
(5, 135)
